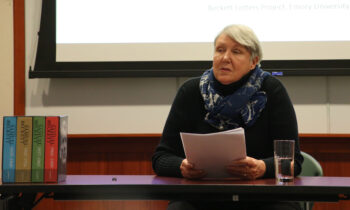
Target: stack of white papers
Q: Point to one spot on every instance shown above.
(214, 151)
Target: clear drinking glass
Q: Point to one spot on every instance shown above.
(284, 160)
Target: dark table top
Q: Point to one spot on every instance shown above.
(150, 187)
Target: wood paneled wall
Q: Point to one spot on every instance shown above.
(131, 154)
(108, 154)
(333, 153)
(19, 57)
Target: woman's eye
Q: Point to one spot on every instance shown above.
(220, 50)
(236, 51)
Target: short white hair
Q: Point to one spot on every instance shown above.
(244, 36)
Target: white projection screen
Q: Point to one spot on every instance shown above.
(299, 37)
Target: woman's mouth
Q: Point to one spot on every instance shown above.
(225, 69)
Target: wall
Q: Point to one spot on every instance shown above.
(322, 104)
(141, 105)
(6, 62)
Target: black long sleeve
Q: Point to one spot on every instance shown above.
(276, 121)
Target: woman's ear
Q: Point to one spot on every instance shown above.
(254, 62)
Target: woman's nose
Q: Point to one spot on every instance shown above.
(226, 56)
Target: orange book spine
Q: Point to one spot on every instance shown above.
(51, 148)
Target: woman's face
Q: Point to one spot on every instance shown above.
(231, 60)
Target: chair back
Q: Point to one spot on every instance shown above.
(310, 167)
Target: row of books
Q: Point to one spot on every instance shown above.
(34, 148)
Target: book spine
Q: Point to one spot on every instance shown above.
(9, 149)
(24, 149)
(51, 148)
(62, 152)
(38, 149)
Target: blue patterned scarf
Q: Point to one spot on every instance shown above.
(243, 106)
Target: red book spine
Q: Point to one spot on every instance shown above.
(51, 149)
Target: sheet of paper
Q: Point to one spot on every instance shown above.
(214, 151)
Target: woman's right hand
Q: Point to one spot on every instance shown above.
(188, 171)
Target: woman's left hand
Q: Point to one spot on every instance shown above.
(247, 168)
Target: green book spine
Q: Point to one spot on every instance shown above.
(24, 149)
(38, 153)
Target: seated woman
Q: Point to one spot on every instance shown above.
(235, 92)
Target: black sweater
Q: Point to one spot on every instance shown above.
(276, 121)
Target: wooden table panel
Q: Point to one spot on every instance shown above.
(130, 154)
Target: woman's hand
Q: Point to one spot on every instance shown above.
(188, 171)
(247, 168)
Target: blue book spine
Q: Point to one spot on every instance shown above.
(9, 149)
